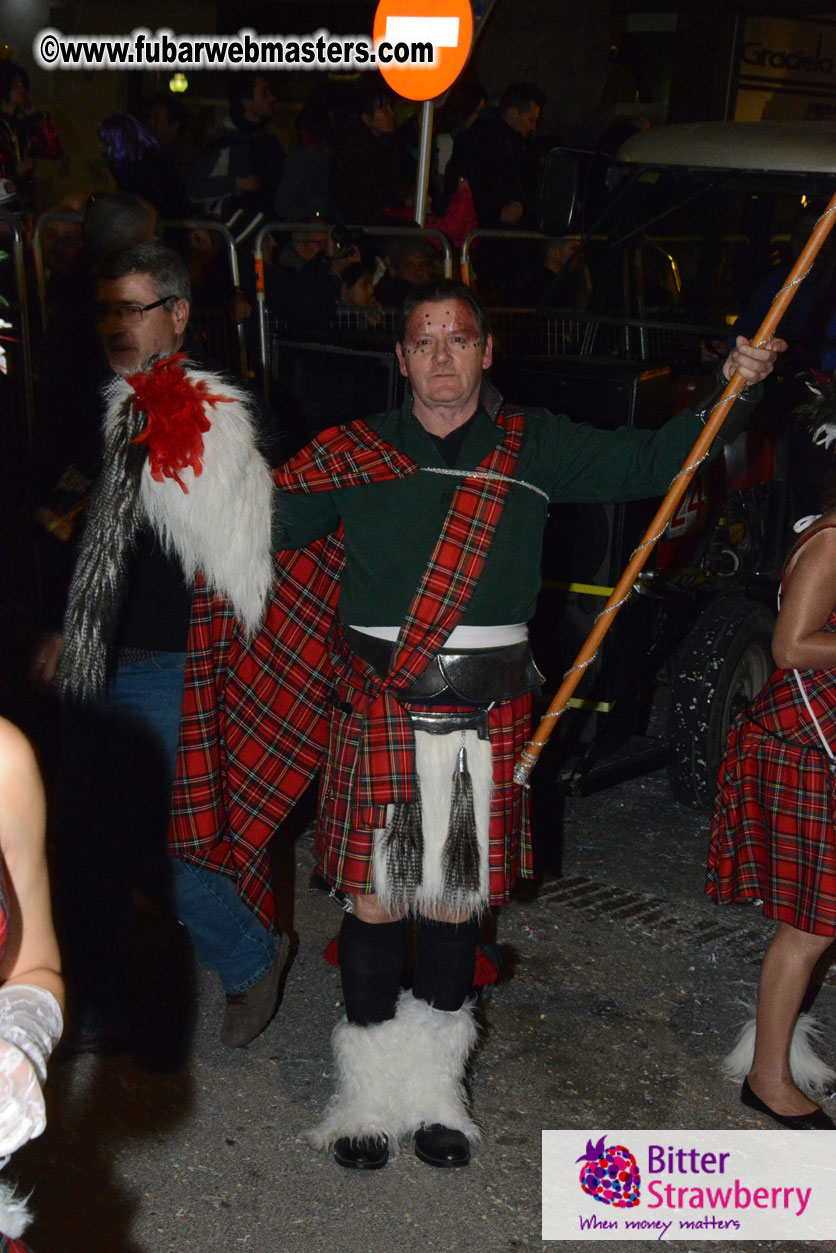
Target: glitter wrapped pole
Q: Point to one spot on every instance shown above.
(621, 592)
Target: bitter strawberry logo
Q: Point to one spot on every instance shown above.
(610, 1175)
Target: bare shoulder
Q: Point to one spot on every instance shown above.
(16, 752)
(21, 786)
(817, 547)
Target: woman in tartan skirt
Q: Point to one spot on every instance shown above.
(772, 835)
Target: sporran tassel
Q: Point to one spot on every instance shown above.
(460, 858)
(404, 844)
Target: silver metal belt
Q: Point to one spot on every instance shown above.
(451, 720)
(475, 677)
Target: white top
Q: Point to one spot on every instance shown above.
(462, 636)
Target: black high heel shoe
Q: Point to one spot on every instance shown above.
(816, 1120)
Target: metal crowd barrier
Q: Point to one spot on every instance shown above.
(564, 333)
(267, 330)
(225, 337)
(479, 233)
(360, 321)
(317, 384)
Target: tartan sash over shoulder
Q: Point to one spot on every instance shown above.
(380, 733)
(254, 723)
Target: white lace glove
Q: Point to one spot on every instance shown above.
(30, 1027)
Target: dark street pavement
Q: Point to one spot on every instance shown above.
(622, 988)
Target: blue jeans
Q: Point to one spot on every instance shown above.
(129, 742)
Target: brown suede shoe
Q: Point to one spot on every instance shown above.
(249, 1012)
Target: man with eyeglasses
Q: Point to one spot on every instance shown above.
(182, 488)
(129, 336)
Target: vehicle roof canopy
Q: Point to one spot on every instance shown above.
(805, 147)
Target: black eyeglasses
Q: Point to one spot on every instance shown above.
(128, 314)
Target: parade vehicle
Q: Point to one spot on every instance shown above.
(698, 227)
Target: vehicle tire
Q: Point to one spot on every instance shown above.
(722, 665)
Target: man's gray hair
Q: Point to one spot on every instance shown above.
(166, 269)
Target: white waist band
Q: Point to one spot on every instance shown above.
(462, 636)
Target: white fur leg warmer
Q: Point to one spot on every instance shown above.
(397, 1076)
(369, 1063)
(439, 1046)
(810, 1073)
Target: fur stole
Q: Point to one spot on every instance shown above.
(180, 453)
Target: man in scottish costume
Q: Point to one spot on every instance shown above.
(411, 566)
(183, 495)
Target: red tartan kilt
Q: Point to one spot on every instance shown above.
(772, 837)
(344, 852)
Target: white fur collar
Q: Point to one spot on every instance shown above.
(220, 525)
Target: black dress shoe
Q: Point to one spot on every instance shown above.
(816, 1120)
(366, 1153)
(439, 1146)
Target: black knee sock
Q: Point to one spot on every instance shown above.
(446, 962)
(371, 963)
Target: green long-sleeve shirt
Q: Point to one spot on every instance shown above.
(391, 527)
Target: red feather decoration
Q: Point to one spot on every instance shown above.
(174, 404)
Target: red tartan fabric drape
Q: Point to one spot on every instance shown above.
(253, 729)
(254, 718)
(253, 722)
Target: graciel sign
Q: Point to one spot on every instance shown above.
(786, 69)
(754, 53)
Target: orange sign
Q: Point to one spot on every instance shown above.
(404, 30)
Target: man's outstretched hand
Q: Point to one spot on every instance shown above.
(755, 364)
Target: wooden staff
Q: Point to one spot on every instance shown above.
(621, 592)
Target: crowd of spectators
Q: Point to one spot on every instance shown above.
(351, 164)
(342, 182)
